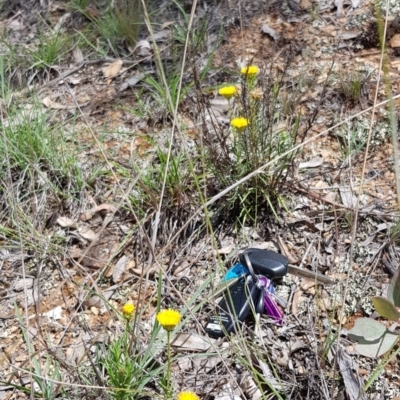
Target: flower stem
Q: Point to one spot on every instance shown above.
(168, 373)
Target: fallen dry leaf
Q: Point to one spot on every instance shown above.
(339, 6)
(160, 36)
(77, 54)
(47, 102)
(329, 30)
(55, 313)
(94, 310)
(313, 163)
(87, 233)
(307, 284)
(191, 342)
(269, 31)
(349, 199)
(395, 40)
(286, 252)
(353, 383)
(226, 250)
(141, 145)
(3, 360)
(219, 106)
(132, 81)
(102, 207)
(348, 35)
(119, 269)
(296, 301)
(65, 222)
(167, 24)
(143, 48)
(94, 301)
(112, 70)
(73, 81)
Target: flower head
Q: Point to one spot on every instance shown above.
(169, 319)
(128, 309)
(227, 91)
(188, 396)
(256, 94)
(250, 71)
(239, 123)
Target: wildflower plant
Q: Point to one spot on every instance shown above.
(127, 369)
(259, 131)
(168, 319)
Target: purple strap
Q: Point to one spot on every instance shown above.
(270, 306)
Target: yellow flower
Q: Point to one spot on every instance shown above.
(250, 71)
(128, 309)
(227, 91)
(188, 396)
(169, 319)
(239, 123)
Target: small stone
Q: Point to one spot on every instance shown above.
(362, 371)
(94, 310)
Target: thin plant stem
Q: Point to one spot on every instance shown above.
(168, 373)
(382, 27)
(126, 344)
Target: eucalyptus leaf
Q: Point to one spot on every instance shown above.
(393, 293)
(377, 349)
(385, 308)
(365, 329)
(368, 329)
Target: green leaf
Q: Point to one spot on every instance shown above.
(372, 337)
(394, 289)
(385, 308)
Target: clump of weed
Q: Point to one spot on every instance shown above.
(351, 85)
(49, 50)
(37, 162)
(177, 183)
(116, 23)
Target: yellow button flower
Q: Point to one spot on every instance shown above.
(188, 396)
(169, 319)
(227, 91)
(250, 71)
(128, 309)
(239, 123)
